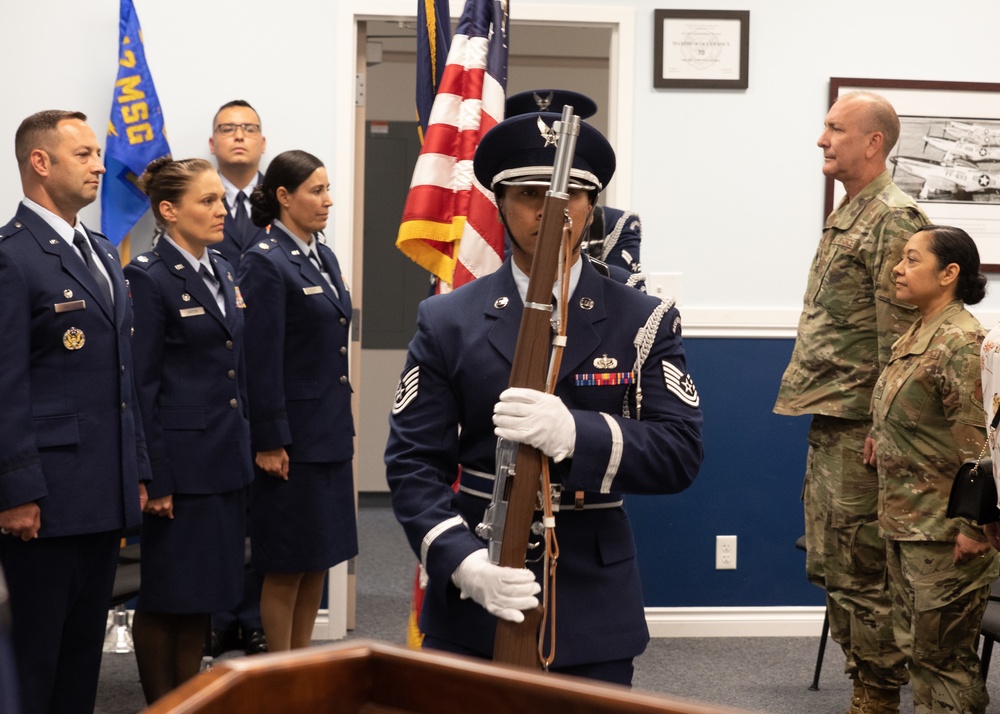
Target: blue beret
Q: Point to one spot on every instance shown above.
(518, 150)
(550, 100)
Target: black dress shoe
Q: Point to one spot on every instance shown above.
(222, 641)
(254, 642)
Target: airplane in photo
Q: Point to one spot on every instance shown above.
(963, 149)
(951, 179)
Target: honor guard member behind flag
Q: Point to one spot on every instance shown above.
(615, 235)
(850, 320)
(72, 452)
(620, 341)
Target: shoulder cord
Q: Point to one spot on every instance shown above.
(643, 344)
(612, 238)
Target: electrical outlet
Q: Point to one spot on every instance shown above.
(725, 552)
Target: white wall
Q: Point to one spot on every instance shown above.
(728, 183)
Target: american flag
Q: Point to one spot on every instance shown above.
(449, 224)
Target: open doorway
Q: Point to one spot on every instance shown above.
(581, 56)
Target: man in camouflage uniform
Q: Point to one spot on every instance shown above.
(850, 318)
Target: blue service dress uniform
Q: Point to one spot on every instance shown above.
(234, 244)
(458, 363)
(298, 334)
(189, 368)
(72, 442)
(620, 240)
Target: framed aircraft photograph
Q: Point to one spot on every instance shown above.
(701, 49)
(947, 156)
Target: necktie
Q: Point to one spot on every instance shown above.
(242, 218)
(213, 287)
(83, 245)
(316, 261)
(314, 257)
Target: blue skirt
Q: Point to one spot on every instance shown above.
(306, 523)
(194, 563)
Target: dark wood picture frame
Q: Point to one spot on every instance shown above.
(936, 106)
(695, 29)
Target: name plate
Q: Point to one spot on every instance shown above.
(70, 306)
(313, 290)
(192, 311)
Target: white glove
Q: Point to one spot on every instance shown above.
(528, 416)
(504, 592)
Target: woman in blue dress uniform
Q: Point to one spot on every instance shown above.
(298, 315)
(189, 370)
(604, 436)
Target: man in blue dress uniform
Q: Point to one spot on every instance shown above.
(72, 455)
(452, 402)
(238, 143)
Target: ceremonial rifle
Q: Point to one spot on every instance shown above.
(516, 493)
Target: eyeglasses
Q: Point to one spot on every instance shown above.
(227, 129)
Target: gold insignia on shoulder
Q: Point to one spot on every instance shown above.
(73, 338)
(239, 297)
(501, 303)
(185, 297)
(67, 293)
(263, 246)
(586, 303)
(605, 363)
(143, 258)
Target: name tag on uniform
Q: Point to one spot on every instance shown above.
(70, 306)
(313, 290)
(192, 311)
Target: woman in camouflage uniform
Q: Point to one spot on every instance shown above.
(928, 418)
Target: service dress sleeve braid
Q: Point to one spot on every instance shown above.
(147, 369)
(263, 290)
(422, 455)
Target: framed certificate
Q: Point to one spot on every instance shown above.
(701, 49)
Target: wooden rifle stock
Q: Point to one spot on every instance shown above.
(517, 643)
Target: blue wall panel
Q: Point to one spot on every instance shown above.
(749, 486)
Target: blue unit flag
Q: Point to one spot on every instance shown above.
(136, 134)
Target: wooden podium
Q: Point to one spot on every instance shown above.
(374, 678)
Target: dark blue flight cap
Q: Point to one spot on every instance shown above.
(550, 100)
(519, 150)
